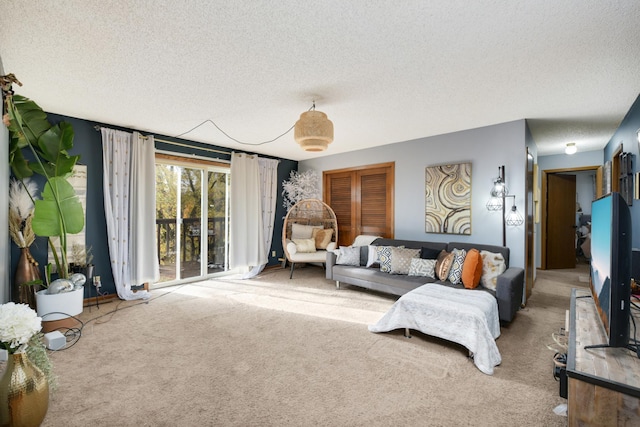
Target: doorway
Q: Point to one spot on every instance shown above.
(566, 204)
(192, 217)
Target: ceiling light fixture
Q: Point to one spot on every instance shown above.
(570, 148)
(314, 131)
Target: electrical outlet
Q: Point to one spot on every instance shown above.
(273, 254)
(96, 281)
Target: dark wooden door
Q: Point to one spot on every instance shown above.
(362, 199)
(561, 221)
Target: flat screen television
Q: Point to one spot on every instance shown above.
(611, 266)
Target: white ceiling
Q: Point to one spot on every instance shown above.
(383, 71)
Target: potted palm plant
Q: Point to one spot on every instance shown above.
(38, 147)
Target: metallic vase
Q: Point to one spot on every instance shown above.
(24, 393)
(26, 271)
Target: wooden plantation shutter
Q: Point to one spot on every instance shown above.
(362, 199)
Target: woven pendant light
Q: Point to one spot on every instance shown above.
(314, 131)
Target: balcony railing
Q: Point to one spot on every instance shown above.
(190, 240)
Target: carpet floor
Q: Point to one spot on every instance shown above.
(277, 352)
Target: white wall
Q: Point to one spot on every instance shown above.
(585, 190)
(5, 252)
(486, 148)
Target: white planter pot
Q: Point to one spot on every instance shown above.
(59, 306)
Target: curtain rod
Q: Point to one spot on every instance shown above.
(180, 144)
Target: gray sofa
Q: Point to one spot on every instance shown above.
(508, 291)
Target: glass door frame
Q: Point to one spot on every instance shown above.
(205, 168)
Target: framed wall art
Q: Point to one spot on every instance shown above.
(448, 199)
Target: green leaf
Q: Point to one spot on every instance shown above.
(28, 121)
(19, 165)
(56, 141)
(59, 211)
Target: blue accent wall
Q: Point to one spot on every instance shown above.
(88, 144)
(627, 136)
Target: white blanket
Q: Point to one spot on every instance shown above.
(467, 317)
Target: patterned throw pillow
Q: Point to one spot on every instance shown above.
(472, 269)
(401, 259)
(422, 267)
(322, 237)
(384, 258)
(455, 274)
(443, 264)
(305, 245)
(493, 265)
(348, 255)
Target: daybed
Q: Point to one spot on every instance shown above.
(508, 281)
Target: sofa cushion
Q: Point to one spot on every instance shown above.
(305, 245)
(493, 265)
(413, 244)
(455, 273)
(348, 255)
(401, 259)
(429, 253)
(301, 231)
(322, 236)
(443, 264)
(472, 269)
(423, 267)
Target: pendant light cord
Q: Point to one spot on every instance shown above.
(313, 107)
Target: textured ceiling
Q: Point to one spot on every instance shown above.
(383, 71)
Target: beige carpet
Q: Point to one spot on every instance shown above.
(278, 352)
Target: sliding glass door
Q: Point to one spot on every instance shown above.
(192, 218)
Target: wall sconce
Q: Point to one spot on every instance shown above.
(570, 148)
(499, 192)
(513, 217)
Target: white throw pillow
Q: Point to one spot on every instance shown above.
(364, 240)
(301, 231)
(305, 245)
(372, 259)
(493, 265)
(348, 255)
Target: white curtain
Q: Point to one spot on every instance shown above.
(268, 197)
(117, 147)
(246, 234)
(143, 253)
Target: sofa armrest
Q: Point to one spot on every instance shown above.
(331, 261)
(509, 290)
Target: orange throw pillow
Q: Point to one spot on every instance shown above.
(472, 269)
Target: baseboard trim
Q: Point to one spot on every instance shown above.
(102, 298)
